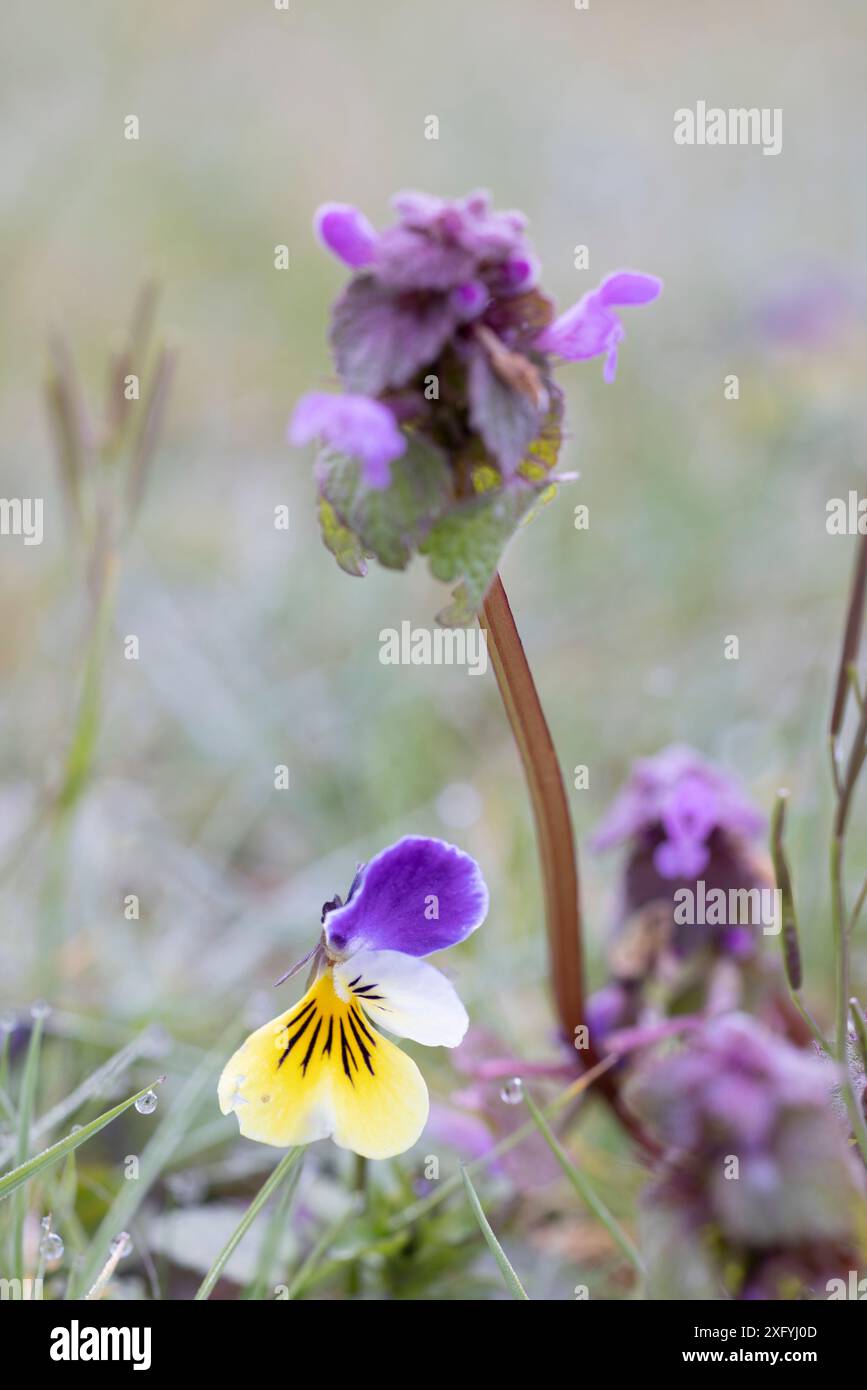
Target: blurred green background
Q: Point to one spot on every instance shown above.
(707, 515)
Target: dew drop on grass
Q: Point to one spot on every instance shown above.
(40, 1008)
(122, 1245)
(51, 1246)
(512, 1092)
(147, 1104)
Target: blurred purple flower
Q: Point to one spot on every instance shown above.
(756, 1165)
(810, 309)
(685, 798)
(362, 428)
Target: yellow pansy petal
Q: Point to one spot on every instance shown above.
(322, 1070)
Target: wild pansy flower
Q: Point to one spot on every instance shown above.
(757, 1194)
(323, 1069)
(443, 332)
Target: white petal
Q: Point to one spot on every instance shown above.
(404, 995)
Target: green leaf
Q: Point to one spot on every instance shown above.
(510, 1278)
(26, 1101)
(387, 523)
(342, 542)
(466, 545)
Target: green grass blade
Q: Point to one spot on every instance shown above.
(584, 1188)
(283, 1169)
(26, 1101)
(14, 1179)
(510, 1278)
(258, 1288)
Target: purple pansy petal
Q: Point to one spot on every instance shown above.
(362, 428)
(381, 339)
(346, 232)
(417, 896)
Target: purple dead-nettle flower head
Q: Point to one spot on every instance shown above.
(443, 331)
(688, 830)
(757, 1180)
(680, 799)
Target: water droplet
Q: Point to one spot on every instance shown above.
(8, 1022)
(122, 1245)
(512, 1092)
(51, 1246)
(147, 1104)
(40, 1008)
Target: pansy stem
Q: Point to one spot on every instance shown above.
(359, 1188)
(554, 834)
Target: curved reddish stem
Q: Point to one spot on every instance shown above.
(550, 807)
(554, 834)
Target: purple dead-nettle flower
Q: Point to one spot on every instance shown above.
(592, 327)
(354, 425)
(757, 1190)
(443, 331)
(694, 886)
(678, 799)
